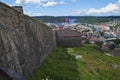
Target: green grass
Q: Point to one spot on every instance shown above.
(61, 64)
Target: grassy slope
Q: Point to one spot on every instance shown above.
(62, 65)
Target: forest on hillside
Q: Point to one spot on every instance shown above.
(81, 19)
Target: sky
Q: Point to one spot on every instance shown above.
(68, 7)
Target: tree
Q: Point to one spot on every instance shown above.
(99, 43)
(117, 42)
(112, 46)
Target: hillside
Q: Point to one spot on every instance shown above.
(81, 19)
(49, 18)
(78, 63)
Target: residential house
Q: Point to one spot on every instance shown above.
(68, 38)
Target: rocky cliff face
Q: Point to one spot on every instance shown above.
(24, 42)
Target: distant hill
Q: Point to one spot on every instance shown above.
(81, 19)
(49, 18)
(78, 63)
(96, 19)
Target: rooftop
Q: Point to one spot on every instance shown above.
(68, 33)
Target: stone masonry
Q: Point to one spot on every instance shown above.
(18, 8)
(24, 42)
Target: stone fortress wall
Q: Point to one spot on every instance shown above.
(24, 42)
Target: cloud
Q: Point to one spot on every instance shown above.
(77, 12)
(50, 3)
(108, 9)
(28, 1)
(18, 1)
(30, 13)
(27, 13)
(45, 3)
(62, 2)
(118, 0)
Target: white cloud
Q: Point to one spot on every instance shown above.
(32, 1)
(45, 3)
(30, 13)
(107, 9)
(28, 1)
(62, 2)
(77, 12)
(118, 0)
(27, 13)
(18, 1)
(50, 3)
